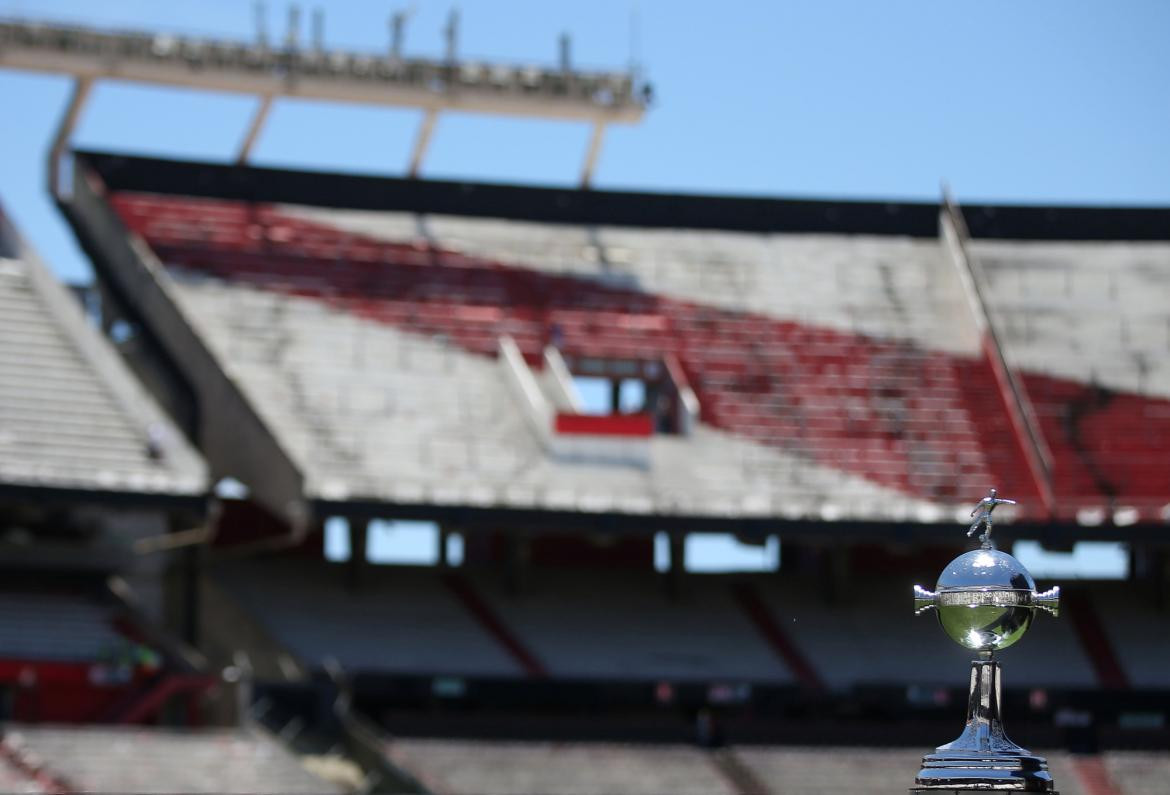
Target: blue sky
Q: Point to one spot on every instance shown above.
(1049, 100)
(1045, 101)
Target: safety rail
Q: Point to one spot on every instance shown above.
(537, 410)
(560, 381)
(953, 230)
(688, 401)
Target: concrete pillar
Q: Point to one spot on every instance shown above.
(836, 575)
(444, 534)
(359, 531)
(674, 574)
(519, 549)
(192, 565)
(1149, 570)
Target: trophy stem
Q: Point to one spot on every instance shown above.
(984, 730)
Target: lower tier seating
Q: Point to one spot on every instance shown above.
(461, 767)
(620, 625)
(109, 759)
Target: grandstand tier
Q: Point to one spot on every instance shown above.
(72, 417)
(463, 767)
(839, 373)
(119, 759)
(623, 626)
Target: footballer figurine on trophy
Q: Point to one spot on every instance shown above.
(985, 600)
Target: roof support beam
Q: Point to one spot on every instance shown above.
(592, 153)
(422, 142)
(81, 89)
(254, 128)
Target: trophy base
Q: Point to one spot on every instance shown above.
(983, 758)
(989, 772)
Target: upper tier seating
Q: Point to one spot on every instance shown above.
(71, 415)
(838, 375)
(472, 767)
(109, 759)
(1089, 324)
(856, 353)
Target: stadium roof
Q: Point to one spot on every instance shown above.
(72, 417)
(352, 323)
(621, 208)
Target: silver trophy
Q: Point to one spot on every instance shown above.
(985, 600)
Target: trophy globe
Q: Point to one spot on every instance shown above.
(985, 601)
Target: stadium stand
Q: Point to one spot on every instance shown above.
(109, 759)
(1086, 323)
(863, 641)
(89, 465)
(630, 628)
(454, 767)
(384, 286)
(842, 771)
(832, 370)
(411, 621)
(1137, 773)
(404, 622)
(370, 348)
(13, 779)
(1134, 634)
(71, 415)
(460, 767)
(55, 626)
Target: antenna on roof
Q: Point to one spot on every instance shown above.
(635, 38)
(294, 24)
(319, 30)
(565, 48)
(260, 14)
(398, 32)
(451, 34)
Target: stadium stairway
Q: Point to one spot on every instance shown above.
(494, 625)
(1138, 772)
(765, 623)
(228, 631)
(1135, 630)
(1094, 777)
(405, 620)
(1094, 640)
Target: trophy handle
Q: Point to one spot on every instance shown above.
(924, 600)
(1048, 600)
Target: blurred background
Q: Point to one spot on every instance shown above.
(563, 398)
